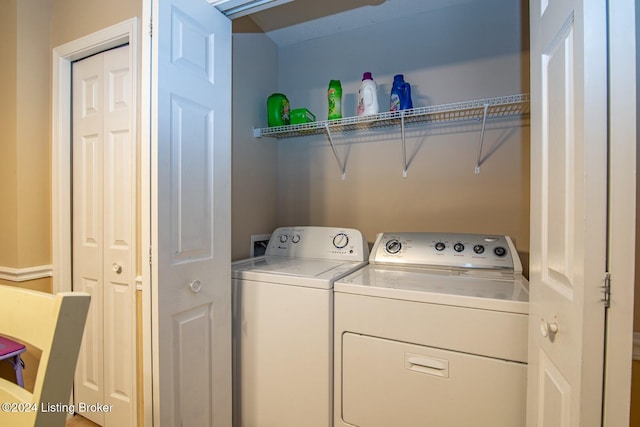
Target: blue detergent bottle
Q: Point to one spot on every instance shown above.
(400, 94)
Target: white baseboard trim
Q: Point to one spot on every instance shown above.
(27, 273)
(636, 346)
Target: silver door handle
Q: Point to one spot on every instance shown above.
(117, 268)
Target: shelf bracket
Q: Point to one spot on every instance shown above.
(405, 166)
(341, 165)
(484, 121)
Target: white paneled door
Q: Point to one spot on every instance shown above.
(190, 214)
(104, 162)
(568, 212)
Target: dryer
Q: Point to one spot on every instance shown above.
(283, 325)
(433, 332)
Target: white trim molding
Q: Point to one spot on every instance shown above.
(25, 274)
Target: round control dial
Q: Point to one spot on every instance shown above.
(458, 247)
(295, 238)
(283, 238)
(500, 251)
(340, 240)
(479, 249)
(393, 246)
(440, 246)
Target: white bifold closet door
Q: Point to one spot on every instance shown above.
(568, 264)
(104, 159)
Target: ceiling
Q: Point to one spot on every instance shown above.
(296, 12)
(302, 20)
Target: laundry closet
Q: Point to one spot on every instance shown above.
(449, 52)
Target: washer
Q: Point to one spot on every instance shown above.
(433, 332)
(283, 326)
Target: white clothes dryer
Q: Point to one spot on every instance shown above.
(283, 326)
(433, 332)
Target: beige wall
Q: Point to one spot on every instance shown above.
(43, 285)
(255, 172)
(73, 19)
(8, 133)
(635, 385)
(637, 287)
(25, 124)
(34, 124)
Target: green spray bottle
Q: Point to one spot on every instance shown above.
(334, 95)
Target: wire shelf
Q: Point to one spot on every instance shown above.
(498, 107)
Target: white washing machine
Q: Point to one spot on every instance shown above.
(283, 326)
(432, 333)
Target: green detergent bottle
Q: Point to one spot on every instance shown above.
(277, 110)
(334, 95)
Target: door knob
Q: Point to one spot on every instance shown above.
(117, 268)
(548, 328)
(195, 286)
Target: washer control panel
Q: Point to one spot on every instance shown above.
(446, 250)
(318, 242)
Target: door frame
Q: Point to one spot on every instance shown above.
(622, 210)
(125, 32)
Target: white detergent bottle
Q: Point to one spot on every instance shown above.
(368, 96)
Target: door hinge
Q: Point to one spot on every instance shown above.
(606, 290)
(150, 27)
(150, 253)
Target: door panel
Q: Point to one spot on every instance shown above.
(104, 206)
(88, 238)
(119, 241)
(88, 379)
(191, 180)
(190, 205)
(568, 212)
(193, 364)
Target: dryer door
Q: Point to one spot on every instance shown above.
(391, 383)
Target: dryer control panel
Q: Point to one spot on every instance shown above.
(446, 250)
(318, 242)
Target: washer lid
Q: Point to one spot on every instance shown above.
(309, 272)
(491, 291)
